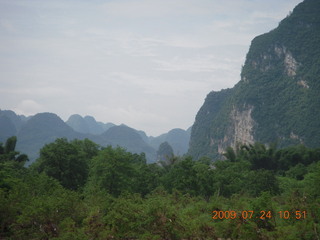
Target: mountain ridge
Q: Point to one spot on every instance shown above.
(42, 128)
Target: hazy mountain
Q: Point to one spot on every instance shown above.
(77, 123)
(17, 120)
(36, 131)
(43, 128)
(40, 129)
(143, 136)
(156, 141)
(277, 98)
(7, 128)
(10, 124)
(177, 138)
(128, 138)
(87, 124)
(164, 153)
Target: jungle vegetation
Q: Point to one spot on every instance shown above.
(79, 190)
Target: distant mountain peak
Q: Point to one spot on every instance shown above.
(87, 124)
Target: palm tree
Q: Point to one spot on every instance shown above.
(8, 152)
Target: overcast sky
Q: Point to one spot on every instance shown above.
(146, 63)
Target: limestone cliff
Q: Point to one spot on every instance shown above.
(242, 126)
(277, 98)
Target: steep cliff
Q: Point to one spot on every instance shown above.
(277, 98)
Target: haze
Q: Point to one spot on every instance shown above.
(146, 63)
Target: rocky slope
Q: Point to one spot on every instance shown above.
(277, 98)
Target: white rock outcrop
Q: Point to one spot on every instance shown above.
(243, 124)
(290, 63)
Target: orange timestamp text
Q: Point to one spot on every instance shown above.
(250, 214)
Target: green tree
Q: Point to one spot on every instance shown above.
(112, 170)
(229, 177)
(89, 148)
(148, 177)
(42, 204)
(181, 176)
(260, 156)
(312, 180)
(261, 180)
(8, 152)
(230, 154)
(204, 178)
(64, 161)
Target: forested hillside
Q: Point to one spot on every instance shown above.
(78, 190)
(277, 98)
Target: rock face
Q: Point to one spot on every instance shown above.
(209, 134)
(240, 130)
(290, 64)
(242, 126)
(277, 98)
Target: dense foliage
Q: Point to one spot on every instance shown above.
(77, 190)
(214, 112)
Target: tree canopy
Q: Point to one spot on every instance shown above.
(78, 190)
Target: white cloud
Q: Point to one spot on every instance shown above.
(208, 63)
(129, 115)
(28, 107)
(38, 92)
(155, 8)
